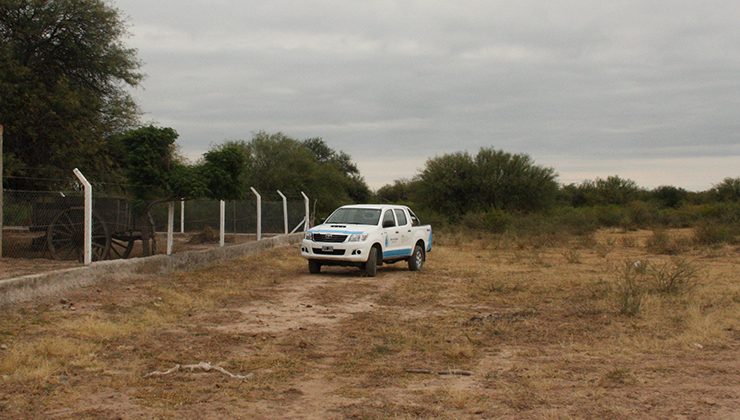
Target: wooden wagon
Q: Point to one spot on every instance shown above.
(115, 229)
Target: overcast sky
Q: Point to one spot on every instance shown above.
(649, 90)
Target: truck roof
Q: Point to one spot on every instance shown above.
(374, 206)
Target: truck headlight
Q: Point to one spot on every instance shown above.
(357, 237)
(309, 236)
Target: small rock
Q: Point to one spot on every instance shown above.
(72, 308)
(64, 301)
(698, 346)
(3, 347)
(309, 306)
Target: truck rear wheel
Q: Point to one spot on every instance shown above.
(371, 266)
(314, 267)
(416, 260)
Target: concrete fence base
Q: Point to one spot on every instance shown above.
(54, 282)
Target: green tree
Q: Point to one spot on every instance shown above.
(448, 184)
(513, 181)
(670, 196)
(457, 183)
(153, 172)
(63, 75)
(398, 192)
(225, 169)
(727, 190)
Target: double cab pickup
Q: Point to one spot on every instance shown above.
(368, 236)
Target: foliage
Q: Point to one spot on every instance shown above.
(146, 156)
(63, 85)
(225, 171)
(727, 190)
(612, 190)
(457, 183)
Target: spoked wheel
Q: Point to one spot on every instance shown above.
(121, 245)
(65, 236)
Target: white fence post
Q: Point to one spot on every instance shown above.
(285, 211)
(307, 223)
(222, 224)
(87, 249)
(170, 225)
(259, 212)
(182, 216)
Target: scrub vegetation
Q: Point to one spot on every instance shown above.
(597, 325)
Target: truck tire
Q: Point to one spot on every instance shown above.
(416, 260)
(371, 266)
(314, 267)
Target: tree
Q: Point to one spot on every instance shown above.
(398, 192)
(225, 169)
(612, 190)
(727, 190)
(457, 183)
(448, 184)
(670, 196)
(63, 73)
(513, 181)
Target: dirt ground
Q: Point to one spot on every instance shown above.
(537, 323)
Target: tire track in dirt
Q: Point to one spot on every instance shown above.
(315, 302)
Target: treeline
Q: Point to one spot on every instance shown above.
(504, 192)
(149, 168)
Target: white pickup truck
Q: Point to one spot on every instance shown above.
(367, 236)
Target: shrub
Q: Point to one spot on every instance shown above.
(662, 243)
(676, 277)
(707, 233)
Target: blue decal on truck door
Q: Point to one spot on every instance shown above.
(403, 252)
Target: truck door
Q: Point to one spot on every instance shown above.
(404, 226)
(393, 247)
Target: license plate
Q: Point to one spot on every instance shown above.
(327, 248)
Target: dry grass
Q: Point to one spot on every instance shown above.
(539, 323)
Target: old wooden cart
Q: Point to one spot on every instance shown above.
(115, 228)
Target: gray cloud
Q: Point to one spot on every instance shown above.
(646, 89)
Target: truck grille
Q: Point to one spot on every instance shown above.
(329, 237)
(319, 251)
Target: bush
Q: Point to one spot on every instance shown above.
(676, 277)
(707, 233)
(662, 243)
(496, 221)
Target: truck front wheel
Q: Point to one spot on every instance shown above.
(416, 260)
(314, 267)
(371, 266)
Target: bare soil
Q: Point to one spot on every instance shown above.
(536, 322)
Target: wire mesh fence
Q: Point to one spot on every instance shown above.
(43, 224)
(29, 220)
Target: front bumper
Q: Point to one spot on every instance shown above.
(355, 252)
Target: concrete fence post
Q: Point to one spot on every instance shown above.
(307, 223)
(285, 211)
(259, 212)
(222, 224)
(170, 225)
(87, 244)
(182, 216)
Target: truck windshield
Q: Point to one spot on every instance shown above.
(355, 216)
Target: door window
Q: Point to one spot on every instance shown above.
(401, 217)
(388, 220)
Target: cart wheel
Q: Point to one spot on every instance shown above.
(121, 246)
(65, 236)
